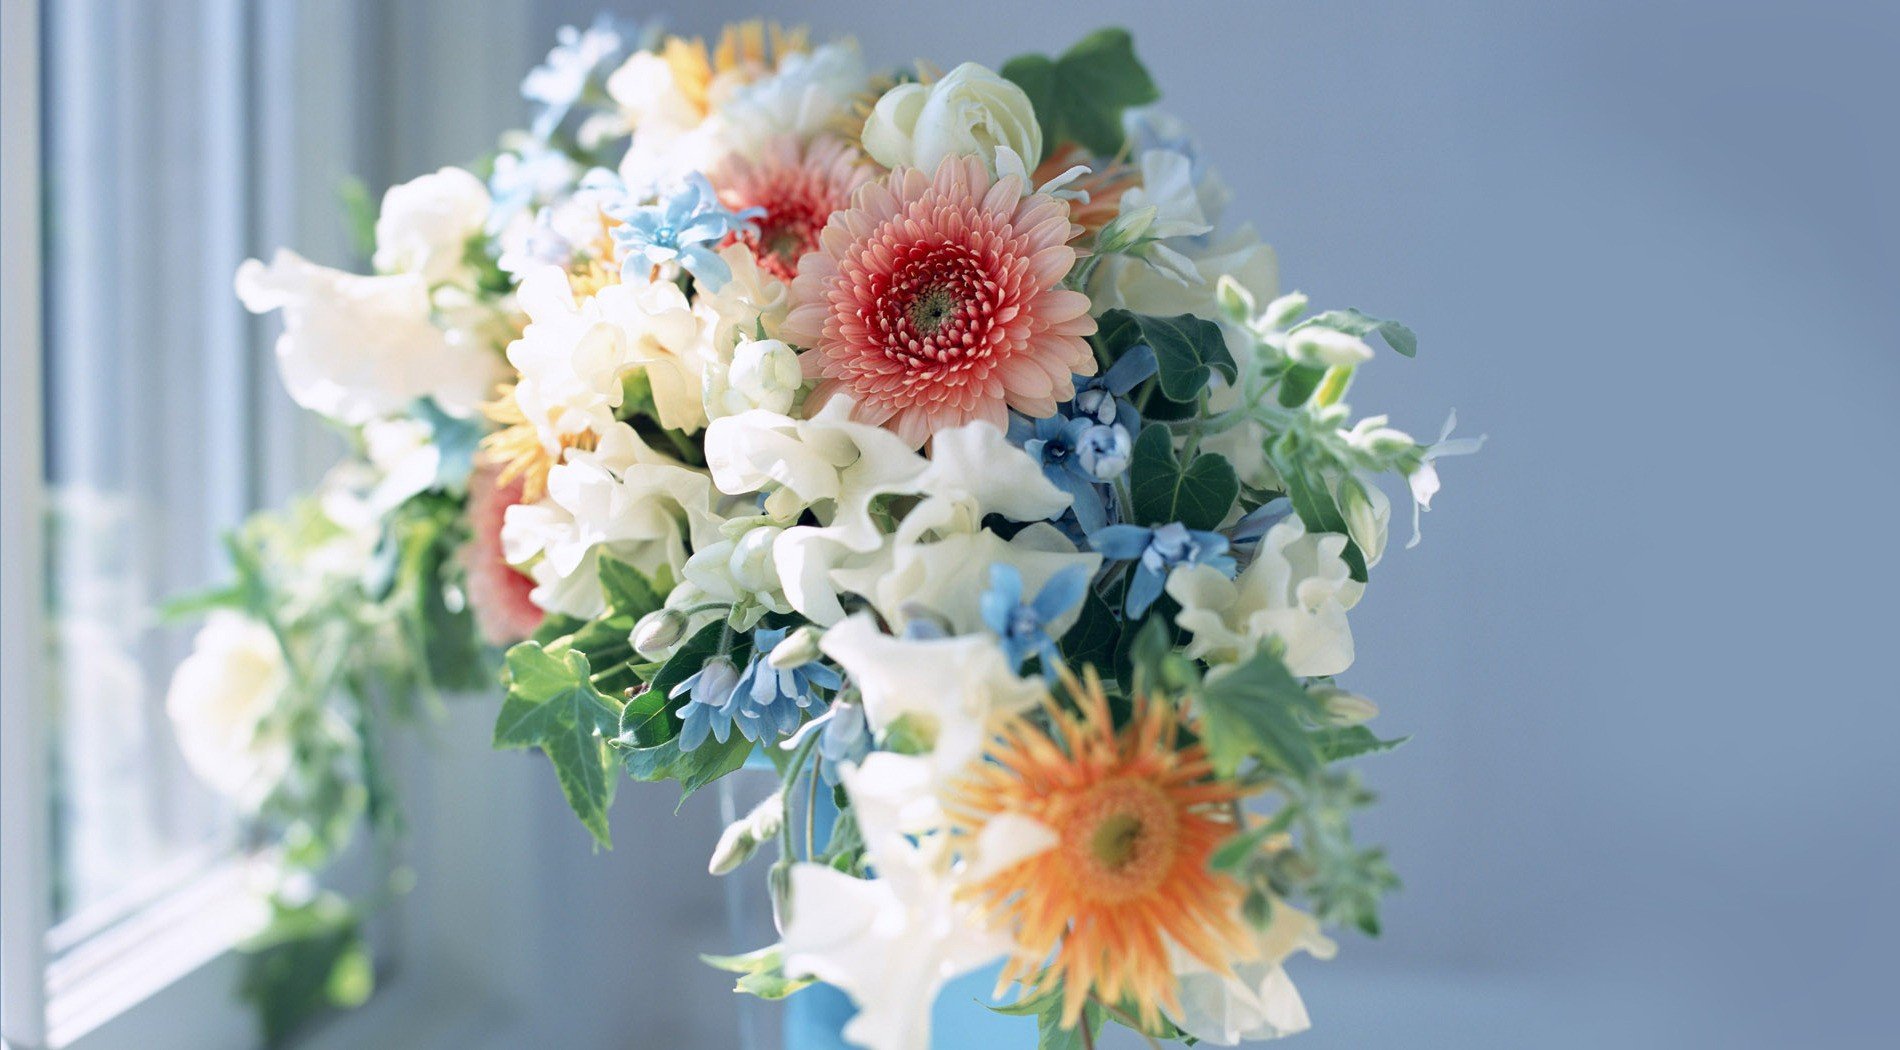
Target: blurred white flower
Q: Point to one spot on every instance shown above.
(622, 499)
(944, 691)
(805, 94)
(764, 374)
(426, 223)
(1297, 590)
(1178, 204)
(404, 453)
(943, 580)
(355, 348)
(1258, 1001)
(220, 702)
(971, 111)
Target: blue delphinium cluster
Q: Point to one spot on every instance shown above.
(762, 701)
(686, 228)
(1087, 444)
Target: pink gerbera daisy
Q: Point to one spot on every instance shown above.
(933, 302)
(497, 591)
(798, 188)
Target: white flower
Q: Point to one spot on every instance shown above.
(649, 96)
(622, 499)
(1297, 590)
(750, 305)
(892, 942)
(425, 226)
(404, 453)
(220, 703)
(1177, 272)
(1259, 1000)
(764, 374)
(970, 112)
(355, 348)
(945, 691)
(805, 94)
(573, 354)
(828, 462)
(739, 571)
(944, 580)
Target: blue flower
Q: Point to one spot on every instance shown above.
(1156, 552)
(683, 228)
(1023, 626)
(1056, 444)
(762, 701)
(847, 738)
(708, 707)
(531, 175)
(560, 81)
(1104, 397)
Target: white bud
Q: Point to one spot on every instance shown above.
(742, 837)
(1328, 347)
(1236, 302)
(1285, 310)
(1346, 709)
(751, 563)
(798, 649)
(766, 374)
(657, 633)
(1368, 516)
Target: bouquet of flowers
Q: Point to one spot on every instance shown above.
(930, 438)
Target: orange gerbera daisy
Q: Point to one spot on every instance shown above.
(1137, 816)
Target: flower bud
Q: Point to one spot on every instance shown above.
(1345, 709)
(751, 562)
(1235, 301)
(1368, 514)
(657, 633)
(1282, 312)
(798, 649)
(1326, 346)
(766, 374)
(742, 837)
(1126, 230)
(1104, 451)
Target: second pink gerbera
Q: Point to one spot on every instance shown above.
(798, 188)
(932, 302)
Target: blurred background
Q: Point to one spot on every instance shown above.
(1652, 249)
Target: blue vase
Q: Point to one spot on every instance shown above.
(814, 1018)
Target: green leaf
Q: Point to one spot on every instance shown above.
(553, 705)
(1198, 495)
(1353, 322)
(311, 958)
(1092, 640)
(1188, 350)
(1232, 854)
(1257, 709)
(1312, 498)
(1080, 96)
(693, 769)
(629, 591)
(1341, 743)
(762, 972)
(690, 657)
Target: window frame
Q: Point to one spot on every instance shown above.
(329, 88)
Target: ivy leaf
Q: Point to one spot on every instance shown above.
(689, 658)
(1092, 640)
(1339, 744)
(1188, 349)
(1198, 495)
(1080, 96)
(1312, 498)
(1257, 709)
(310, 958)
(693, 769)
(553, 705)
(629, 592)
(1354, 322)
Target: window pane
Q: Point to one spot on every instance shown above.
(147, 425)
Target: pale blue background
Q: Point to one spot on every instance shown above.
(1646, 647)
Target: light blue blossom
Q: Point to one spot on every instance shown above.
(559, 82)
(762, 701)
(683, 228)
(847, 738)
(524, 178)
(1104, 397)
(1056, 443)
(1023, 626)
(708, 707)
(1156, 552)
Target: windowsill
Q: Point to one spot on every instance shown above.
(98, 988)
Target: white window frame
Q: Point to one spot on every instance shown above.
(337, 87)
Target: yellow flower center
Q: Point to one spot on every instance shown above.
(1119, 837)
